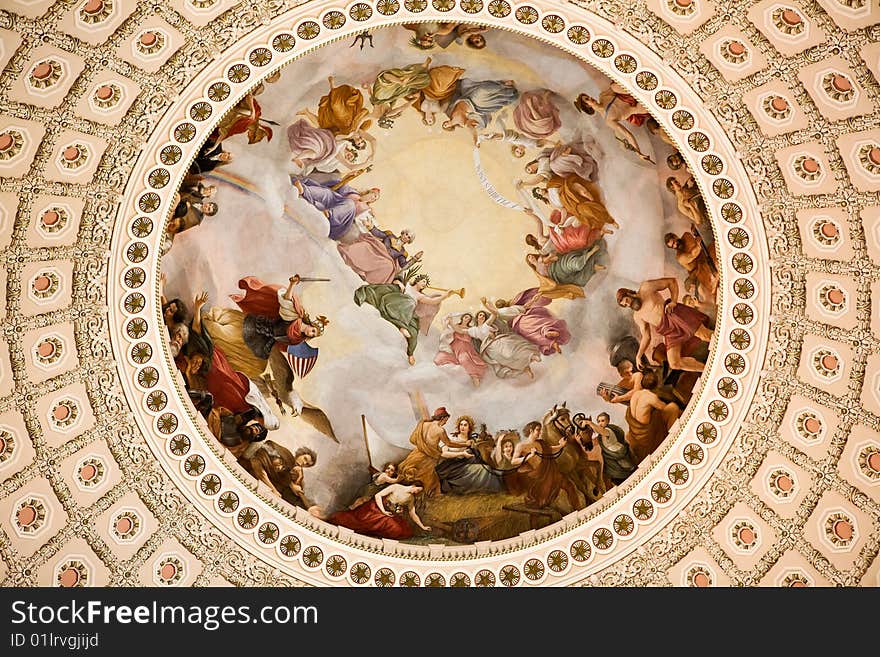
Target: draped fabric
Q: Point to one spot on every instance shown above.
(539, 480)
(578, 267)
(461, 352)
(536, 115)
(483, 98)
(442, 82)
(421, 461)
(342, 111)
(574, 238)
(368, 519)
(340, 206)
(570, 159)
(645, 437)
(537, 324)
(369, 259)
(225, 326)
(394, 306)
(228, 386)
(396, 83)
(264, 300)
(508, 353)
(582, 199)
(679, 326)
(309, 144)
(460, 476)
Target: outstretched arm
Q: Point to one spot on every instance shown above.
(378, 497)
(622, 399)
(199, 301)
(595, 427)
(293, 281)
(493, 310)
(308, 114)
(447, 453)
(262, 476)
(542, 227)
(490, 305)
(530, 181)
(517, 461)
(433, 300)
(370, 139)
(383, 478)
(163, 278)
(415, 517)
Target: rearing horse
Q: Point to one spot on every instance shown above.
(573, 462)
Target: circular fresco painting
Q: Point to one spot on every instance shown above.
(439, 284)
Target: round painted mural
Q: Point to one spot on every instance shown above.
(439, 284)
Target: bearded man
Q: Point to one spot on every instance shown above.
(695, 258)
(681, 326)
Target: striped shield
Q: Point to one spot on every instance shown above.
(301, 358)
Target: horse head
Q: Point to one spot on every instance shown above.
(557, 424)
(581, 426)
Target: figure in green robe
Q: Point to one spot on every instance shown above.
(404, 305)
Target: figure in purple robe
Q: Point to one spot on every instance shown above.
(310, 146)
(339, 202)
(528, 315)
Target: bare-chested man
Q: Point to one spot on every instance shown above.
(530, 445)
(539, 479)
(617, 107)
(690, 253)
(680, 325)
(649, 418)
(630, 380)
(689, 199)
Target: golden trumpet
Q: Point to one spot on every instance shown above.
(459, 292)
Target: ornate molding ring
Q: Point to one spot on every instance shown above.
(583, 542)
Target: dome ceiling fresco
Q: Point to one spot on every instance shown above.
(440, 293)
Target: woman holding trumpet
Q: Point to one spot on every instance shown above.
(404, 303)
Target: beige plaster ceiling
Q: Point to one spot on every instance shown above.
(92, 90)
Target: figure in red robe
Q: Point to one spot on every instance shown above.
(274, 316)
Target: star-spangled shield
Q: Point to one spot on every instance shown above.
(301, 358)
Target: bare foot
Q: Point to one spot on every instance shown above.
(552, 333)
(557, 348)
(299, 187)
(405, 333)
(530, 373)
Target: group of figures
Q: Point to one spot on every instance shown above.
(558, 189)
(233, 359)
(562, 454)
